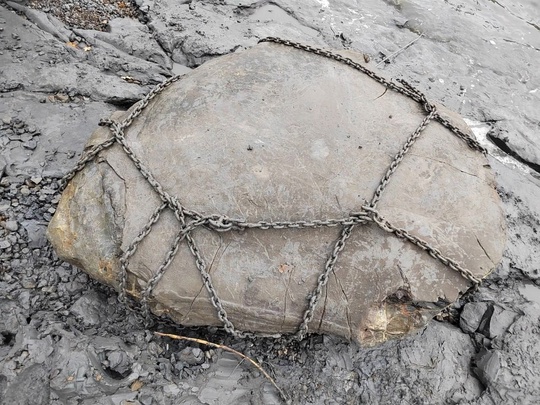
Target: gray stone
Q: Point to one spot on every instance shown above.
(36, 233)
(171, 390)
(30, 145)
(145, 399)
(488, 366)
(12, 317)
(11, 226)
(275, 145)
(91, 308)
(119, 362)
(191, 356)
(36, 179)
(497, 322)
(471, 316)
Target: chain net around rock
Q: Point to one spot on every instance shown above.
(189, 219)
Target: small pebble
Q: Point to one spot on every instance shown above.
(11, 226)
(4, 244)
(30, 145)
(28, 284)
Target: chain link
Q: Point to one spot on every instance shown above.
(400, 155)
(433, 252)
(190, 220)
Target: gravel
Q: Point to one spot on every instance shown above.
(87, 14)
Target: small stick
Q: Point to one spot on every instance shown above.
(400, 50)
(231, 350)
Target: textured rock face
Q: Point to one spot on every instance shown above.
(278, 134)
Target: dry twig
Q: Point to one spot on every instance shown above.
(399, 50)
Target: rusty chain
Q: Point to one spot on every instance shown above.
(190, 220)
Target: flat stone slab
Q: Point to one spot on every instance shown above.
(279, 134)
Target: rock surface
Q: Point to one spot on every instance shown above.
(478, 58)
(250, 138)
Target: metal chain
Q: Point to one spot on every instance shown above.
(190, 220)
(85, 159)
(139, 107)
(132, 248)
(433, 252)
(322, 281)
(399, 157)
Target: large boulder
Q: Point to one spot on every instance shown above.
(272, 134)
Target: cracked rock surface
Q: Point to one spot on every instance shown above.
(68, 336)
(381, 287)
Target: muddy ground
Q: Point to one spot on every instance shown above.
(64, 339)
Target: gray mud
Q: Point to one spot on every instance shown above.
(64, 339)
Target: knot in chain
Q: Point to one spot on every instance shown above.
(222, 223)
